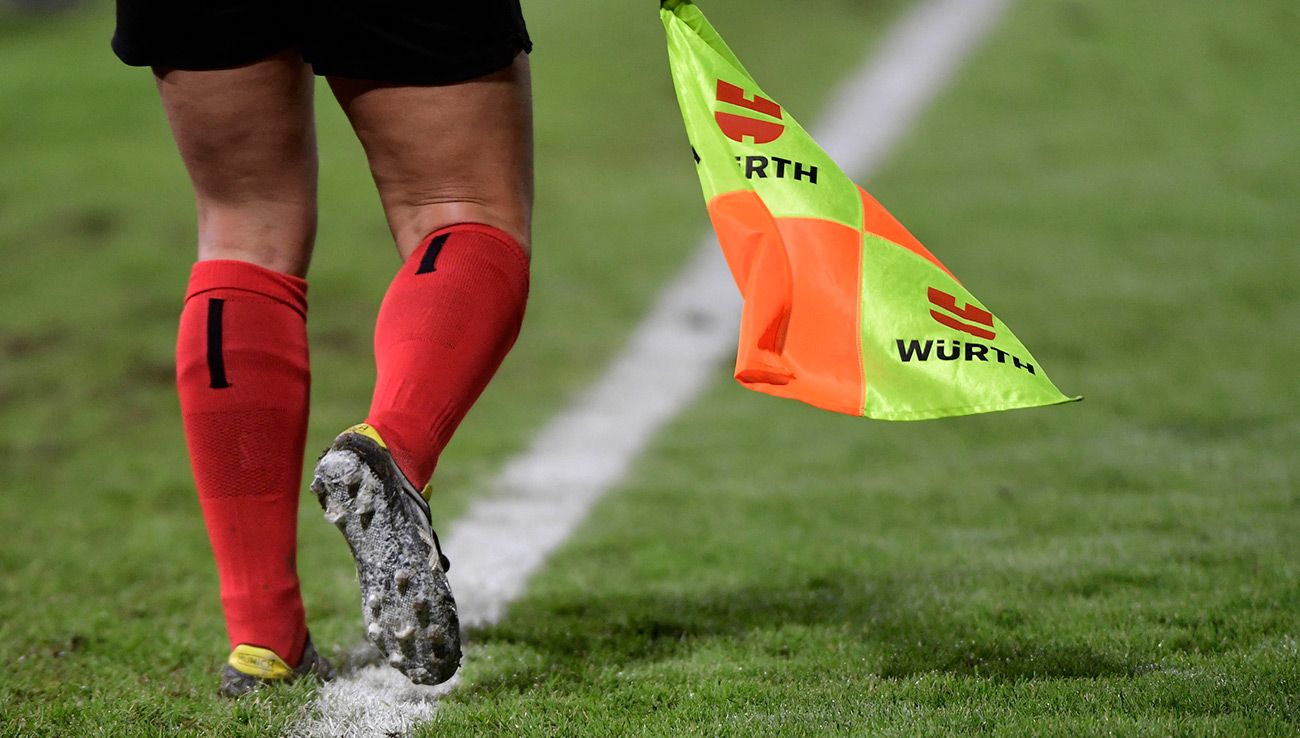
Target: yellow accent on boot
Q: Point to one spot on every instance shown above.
(262, 663)
(368, 430)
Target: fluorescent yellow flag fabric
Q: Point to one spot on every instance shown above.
(844, 308)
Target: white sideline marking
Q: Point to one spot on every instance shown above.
(545, 492)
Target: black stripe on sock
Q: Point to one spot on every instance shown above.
(429, 262)
(216, 361)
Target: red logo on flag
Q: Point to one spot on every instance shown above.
(737, 127)
(973, 313)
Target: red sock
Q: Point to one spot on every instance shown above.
(243, 379)
(450, 315)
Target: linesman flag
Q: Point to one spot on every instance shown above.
(844, 308)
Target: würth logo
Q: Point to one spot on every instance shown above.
(972, 313)
(739, 127)
(944, 350)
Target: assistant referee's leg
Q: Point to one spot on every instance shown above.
(454, 168)
(247, 139)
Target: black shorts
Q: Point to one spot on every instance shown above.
(418, 42)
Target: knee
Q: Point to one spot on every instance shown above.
(512, 219)
(279, 238)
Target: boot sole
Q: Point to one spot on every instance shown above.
(406, 602)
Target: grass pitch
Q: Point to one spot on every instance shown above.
(1117, 181)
